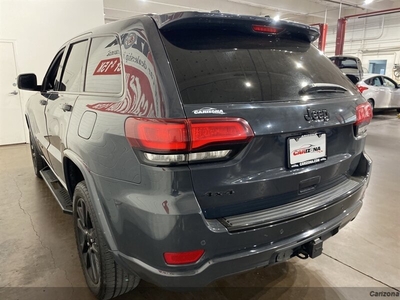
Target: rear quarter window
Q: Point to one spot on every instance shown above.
(103, 73)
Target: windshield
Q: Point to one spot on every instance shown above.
(213, 66)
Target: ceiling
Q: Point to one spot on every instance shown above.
(306, 11)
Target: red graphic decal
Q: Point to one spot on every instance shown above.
(139, 100)
(110, 66)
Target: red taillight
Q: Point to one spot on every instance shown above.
(361, 88)
(205, 132)
(156, 134)
(182, 258)
(363, 114)
(181, 135)
(267, 29)
(363, 118)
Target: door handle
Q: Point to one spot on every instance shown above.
(43, 102)
(14, 93)
(66, 107)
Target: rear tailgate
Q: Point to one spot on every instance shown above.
(260, 176)
(303, 142)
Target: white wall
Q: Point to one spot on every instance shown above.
(40, 27)
(374, 38)
(119, 9)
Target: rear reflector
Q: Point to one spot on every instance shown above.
(361, 88)
(182, 258)
(267, 29)
(185, 135)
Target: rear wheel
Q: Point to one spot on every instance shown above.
(105, 278)
(37, 159)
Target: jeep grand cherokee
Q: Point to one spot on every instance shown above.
(191, 146)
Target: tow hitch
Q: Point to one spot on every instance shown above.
(311, 249)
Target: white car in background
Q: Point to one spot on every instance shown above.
(351, 66)
(380, 91)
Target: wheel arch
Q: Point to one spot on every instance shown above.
(73, 175)
(73, 165)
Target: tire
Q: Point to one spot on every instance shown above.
(37, 159)
(105, 278)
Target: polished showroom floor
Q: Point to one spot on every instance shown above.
(38, 257)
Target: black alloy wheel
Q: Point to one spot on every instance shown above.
(87, 242)
(104, 277)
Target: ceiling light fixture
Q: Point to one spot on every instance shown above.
(368, 1)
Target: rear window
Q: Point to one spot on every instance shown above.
(213, 66)
(344, 62)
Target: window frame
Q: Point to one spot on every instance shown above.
(45, 81)
(390, 80)
(64, 62)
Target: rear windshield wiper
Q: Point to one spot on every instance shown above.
(315, 88)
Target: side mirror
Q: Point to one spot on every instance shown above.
(28, 82)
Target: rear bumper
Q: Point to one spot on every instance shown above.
(242, 260)
(143, 235)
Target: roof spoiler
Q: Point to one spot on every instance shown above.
(188, 20)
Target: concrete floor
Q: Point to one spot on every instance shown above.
(38, 257)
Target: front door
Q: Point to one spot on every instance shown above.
(12, 125)
(61, 102)
(38, 103)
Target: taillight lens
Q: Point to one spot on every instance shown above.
(363, 118)
(205, 132)
(157, 135)
(178, 140)
(361, 88)
(183, 258)
(267, 29)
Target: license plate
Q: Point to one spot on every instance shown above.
(307, 149)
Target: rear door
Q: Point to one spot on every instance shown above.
(61, 101)
(303, 140)
(381, 94)
(394, 91)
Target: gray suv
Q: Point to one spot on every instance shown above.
(191, 146)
